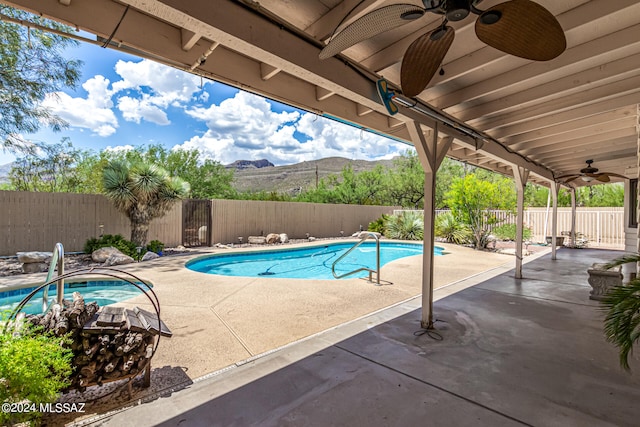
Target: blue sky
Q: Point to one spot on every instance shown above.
(125, 101)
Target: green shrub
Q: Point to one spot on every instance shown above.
(155, 246)
(452, 230)
(379, 224)
(508, 232)
(34, 367)
(117, 241)
(407, 225)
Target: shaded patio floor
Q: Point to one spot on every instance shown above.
(513, 352)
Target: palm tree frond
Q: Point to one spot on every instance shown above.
(625, 259)
(622, 321)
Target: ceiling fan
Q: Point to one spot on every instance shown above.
(589, 174)
(518, 27)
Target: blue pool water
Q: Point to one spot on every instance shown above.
(104, 292)
(305, 263)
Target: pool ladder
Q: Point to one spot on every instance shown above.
(57, 258)
(364, 235)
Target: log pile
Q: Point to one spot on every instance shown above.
(108, 343)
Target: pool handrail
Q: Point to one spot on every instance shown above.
(56, 258)
(364, 235)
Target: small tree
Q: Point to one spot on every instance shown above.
(472, 201)
(52, 169)
(32, 67)
(406, 181)
(143, 192)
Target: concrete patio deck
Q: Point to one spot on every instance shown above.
(513, 352)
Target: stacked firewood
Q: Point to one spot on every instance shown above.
(107, 344)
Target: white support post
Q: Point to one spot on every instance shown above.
(521, 175)
(431, 153)
(554, 219)
(637, 206)
(573, 217)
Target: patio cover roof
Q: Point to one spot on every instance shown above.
(548, 117)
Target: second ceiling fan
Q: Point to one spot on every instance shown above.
(589, 174)
(521, 28)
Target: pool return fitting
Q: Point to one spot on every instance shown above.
(364, 235)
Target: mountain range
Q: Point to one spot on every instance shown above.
(262, 175)
(292, 179)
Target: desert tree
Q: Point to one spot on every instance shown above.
(32, 68)
(143, 192)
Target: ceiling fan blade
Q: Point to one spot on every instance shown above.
(522, 28)
(569, 178)
(602, 177)
(423, 58)
(369, 25)
(617, 175)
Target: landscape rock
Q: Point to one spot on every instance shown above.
(284, 238)
(512, 251)
(34, 257)
(102, 254)
(273, 238)
(118, 259)
(149, 256)
(311, 239)
(257, 240)
(34, 267)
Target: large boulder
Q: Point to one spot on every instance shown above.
(34, 267)
(118, 259)
(257, 240)
(273, 238)
(284, 238)
(102, 254)
(34, 257)
(149, 256)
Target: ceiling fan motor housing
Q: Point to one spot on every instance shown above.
(457, 10)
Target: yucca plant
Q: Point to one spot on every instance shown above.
(407, 225)
(452, 230)
(622, 305)
(143, 192)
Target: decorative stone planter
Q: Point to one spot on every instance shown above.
(602, 280)
(559, 240)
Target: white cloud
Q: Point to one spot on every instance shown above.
(245, 127)
(242, 127)
(168, 86)
(92, 113)
(119, 148)
(133, 110)
(151, 88)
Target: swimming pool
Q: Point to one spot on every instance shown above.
(305, 263)
(104, 292)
